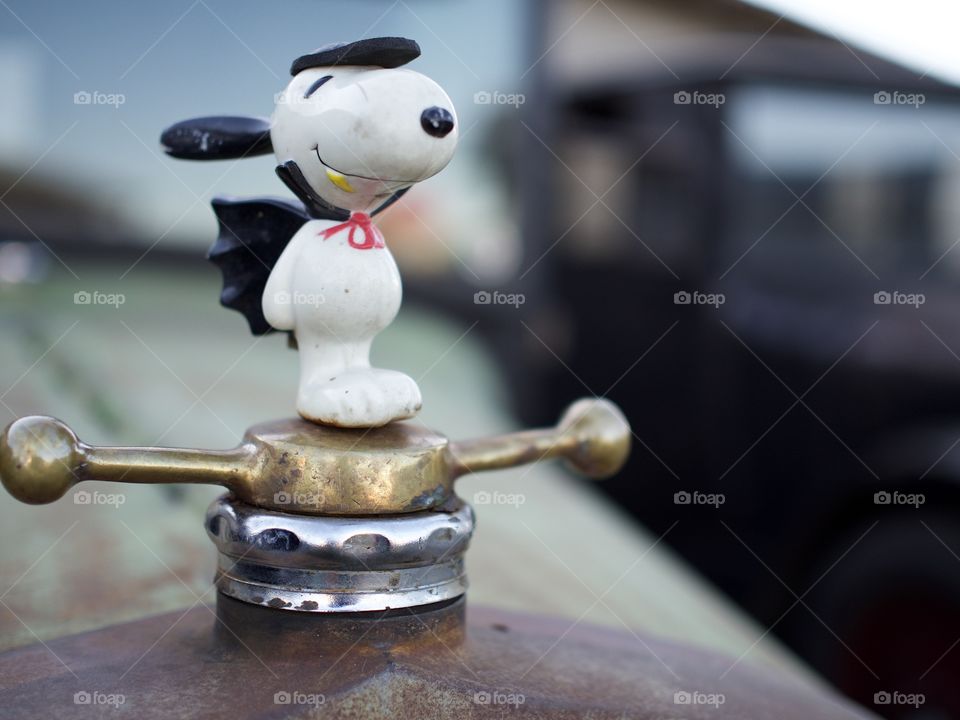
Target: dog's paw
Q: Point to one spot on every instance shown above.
(360, 397)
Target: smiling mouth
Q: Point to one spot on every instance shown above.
(339, 178)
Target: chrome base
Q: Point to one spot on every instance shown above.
(339, 564)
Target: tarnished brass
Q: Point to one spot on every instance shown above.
(301, 467)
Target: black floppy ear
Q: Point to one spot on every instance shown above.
(217, 138)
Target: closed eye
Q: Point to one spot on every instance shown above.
(316, 86)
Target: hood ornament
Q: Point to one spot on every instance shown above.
(347, 507)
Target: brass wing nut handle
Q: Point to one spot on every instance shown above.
(301, 467)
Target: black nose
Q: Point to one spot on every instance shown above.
(437, 121)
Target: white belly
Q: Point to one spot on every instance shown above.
(336, 298)
(340, 290)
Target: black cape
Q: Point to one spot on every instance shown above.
(253, 232)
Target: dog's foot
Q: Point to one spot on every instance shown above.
(359, 397)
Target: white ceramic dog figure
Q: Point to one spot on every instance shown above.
(351, 132)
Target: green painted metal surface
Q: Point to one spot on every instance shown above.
(168, 366)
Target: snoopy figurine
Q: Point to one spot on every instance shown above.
(351, 132)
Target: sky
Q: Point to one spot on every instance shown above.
(919, 33)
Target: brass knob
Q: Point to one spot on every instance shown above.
(297, 466)
(40, 458)
(593, 437)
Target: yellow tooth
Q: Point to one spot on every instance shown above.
(340, 181)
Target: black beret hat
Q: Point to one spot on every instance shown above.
(387, 52)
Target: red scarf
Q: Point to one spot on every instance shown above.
(358, 222)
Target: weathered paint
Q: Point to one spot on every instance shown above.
(255, 662)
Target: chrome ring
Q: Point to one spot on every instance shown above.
(339, 564)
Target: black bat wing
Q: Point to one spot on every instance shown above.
(253, 233)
